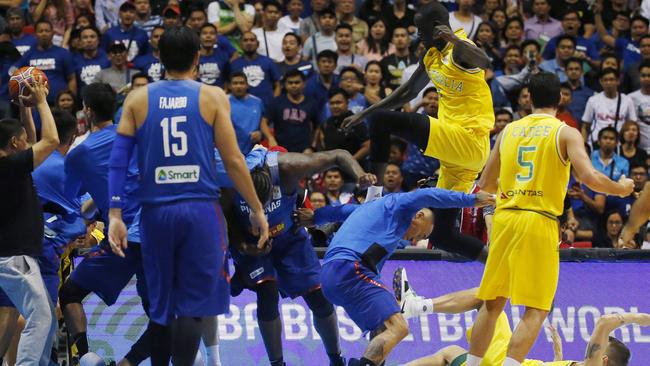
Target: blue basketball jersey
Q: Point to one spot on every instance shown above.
(49, 179)
(175, 146)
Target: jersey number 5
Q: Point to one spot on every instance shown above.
(180, 148)
(525, 163)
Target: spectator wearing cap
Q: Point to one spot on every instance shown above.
(247, 114)
(270, 35)
(106, 13)
(632, 77)
(261, 72)
(291, 44)
(345, 49)
(213, 61)
(15, 25)
(135, 39)
(54, 61)
(231, 18)
(292, 21)
(580, 92)
(61, 15)
(311, 25)
(586, 48)
(294, 117)
(400, 16)
(393, 65)
(626, 48)
(118, 75)
(345, 11)
(641, 100)
(171, 16)
(464, 18)
(91, 59)
(143, 17)
(150, 63)
(566, 47)
(541, 27)
(322, 40)
(356, 141)
(319, 86)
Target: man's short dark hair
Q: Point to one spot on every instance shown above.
(429, 90)
(92, 28)
(327, 10)
(570, 11)
(100, 98)
(336, 91)
(353, 70)
(608, 129)
(268, 3)
(292, 34)
(43, 21)
(606, 72)
(334, 169)
(66, 125)
(501, 111)
(178, 48)
(401, 144)
(574, 60)
(395, 165)
(565, 37)
(327, 54)
(617, 353)
(640, 18)
(644, 63)
(293, 73)
(239, 74)
(644, 37)
(638, 164)
(544, 89)
(513, 47)
(344, 26)
(9, 127)
(139, 75)
(611, 55)
(527, 43)
(208, 25)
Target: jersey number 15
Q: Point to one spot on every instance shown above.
(177, 148)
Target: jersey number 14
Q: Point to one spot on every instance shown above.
(178, 148)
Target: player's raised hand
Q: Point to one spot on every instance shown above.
(627, 185)
(37, 93)
(366, 180)
(304, 217)
(117, 235)
(557, 344)
(259, 226)
(350, 122)
(484, 199)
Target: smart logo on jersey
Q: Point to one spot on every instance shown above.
(178, 174)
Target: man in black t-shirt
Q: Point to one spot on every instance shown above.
(21, 225)
(356, 142)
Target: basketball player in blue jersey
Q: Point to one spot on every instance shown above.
(291, 268)
(176, 124)
(353, 261)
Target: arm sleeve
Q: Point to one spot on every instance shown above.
(327, 214)
(433, 197)
(511, 82)
(117, 168)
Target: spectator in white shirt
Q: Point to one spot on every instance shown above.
(270, 35)
(292, 20)
(322, 40)
(606, 109)
(641, 100)
(465, 18)
(345, 49)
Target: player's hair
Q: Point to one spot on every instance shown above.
(66, 125)
(263, 183)
(640, 18)
(337, 91)
(645, 63)
(607, 71)
(293, 73)
(178, 48)
(608, 129)
(208, 25)
(9, 127)
(565, 37)
(292, 34)
(529, 42)
(327, 54)
(573, 60)
(544, 89)
(239, 74)
(141, 75)
(617, 352)
(344, 26)
(100, 98)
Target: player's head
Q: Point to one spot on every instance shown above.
(98, 102)
(544, 89)
(427, 19)
(263, 183)
(616, 354)
(66, 126)
(421, 225)
(13, 137)
(179, 49)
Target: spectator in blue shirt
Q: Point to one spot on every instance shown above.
(91, 59)
(247, 114)
(627, 49)
(571, 25)
(135, 39)
(294, 117)
(566, 47)
(15, 25)
(580, 92)
(150, 63)
(351, 80)
(318, 87)
(214, 61)
(261, 72)
(632, 77)
(54, 61)
(605, 159)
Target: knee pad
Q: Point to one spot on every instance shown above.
(318, 304)
(268, 299)
(71, 293)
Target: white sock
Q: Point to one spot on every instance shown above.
(473, 360)
(198, 360)
(511, 362)
(212, 355)
(427, 306)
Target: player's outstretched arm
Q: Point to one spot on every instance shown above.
(572, 147)
(604, 326)
(639, 214)
(396, 99)
(49, 136)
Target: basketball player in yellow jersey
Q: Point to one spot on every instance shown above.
(531, 161)
(459, 136)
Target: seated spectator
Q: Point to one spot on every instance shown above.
(606, 109)
(351, 81)
(356, 141)
(626, 48)
(143, 17)
(374, 89)
(317, 200)
(214, 62)
(345, 11)
(135, 39)
(246, 113)
(605, 159)
(566, 47)
(397, 151)
(319, 86)
(270, 35)
(345, 49)
(607, 236)
(524, 104)
(150, 63)
(623, 205)
(632, 75)
(512, 61)
(334, 185)
(580, 93)
(513, 32)
(400, 16)
(487, 38)
(465, 18)
(232, 19)
(138, 80)
(291, 44)
(118, 74)
(322, 40)
(15, 27)
(563, 113)
(587, 207)
(641, 100)
(376, 45)
(393, 179)
(91, 60)
(629, 147)
(489, 6)
(292, 20)
(541, 26)
(502, 118)
(393, 65)
(585, 48)
(295, 118)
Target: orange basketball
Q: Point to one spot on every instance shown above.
(26, 74)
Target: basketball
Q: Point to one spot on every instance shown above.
(17, 82)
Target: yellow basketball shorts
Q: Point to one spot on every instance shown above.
(461, 151)
(524, 261)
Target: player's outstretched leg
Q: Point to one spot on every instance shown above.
(383, 343)
(450, 355)
(326, 324)
(70, 297)
(268, 319)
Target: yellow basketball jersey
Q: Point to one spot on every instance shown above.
(542, 363)
(533, 174)
(465, 97)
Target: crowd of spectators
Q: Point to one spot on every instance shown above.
(295, 69)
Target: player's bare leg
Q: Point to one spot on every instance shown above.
(484, 329)
(380, 346)
(443, 357)
(526, 333)
(8, 318)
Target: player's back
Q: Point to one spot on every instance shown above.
(533, 174)
(175, 145)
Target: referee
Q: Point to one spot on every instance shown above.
(21, 225)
